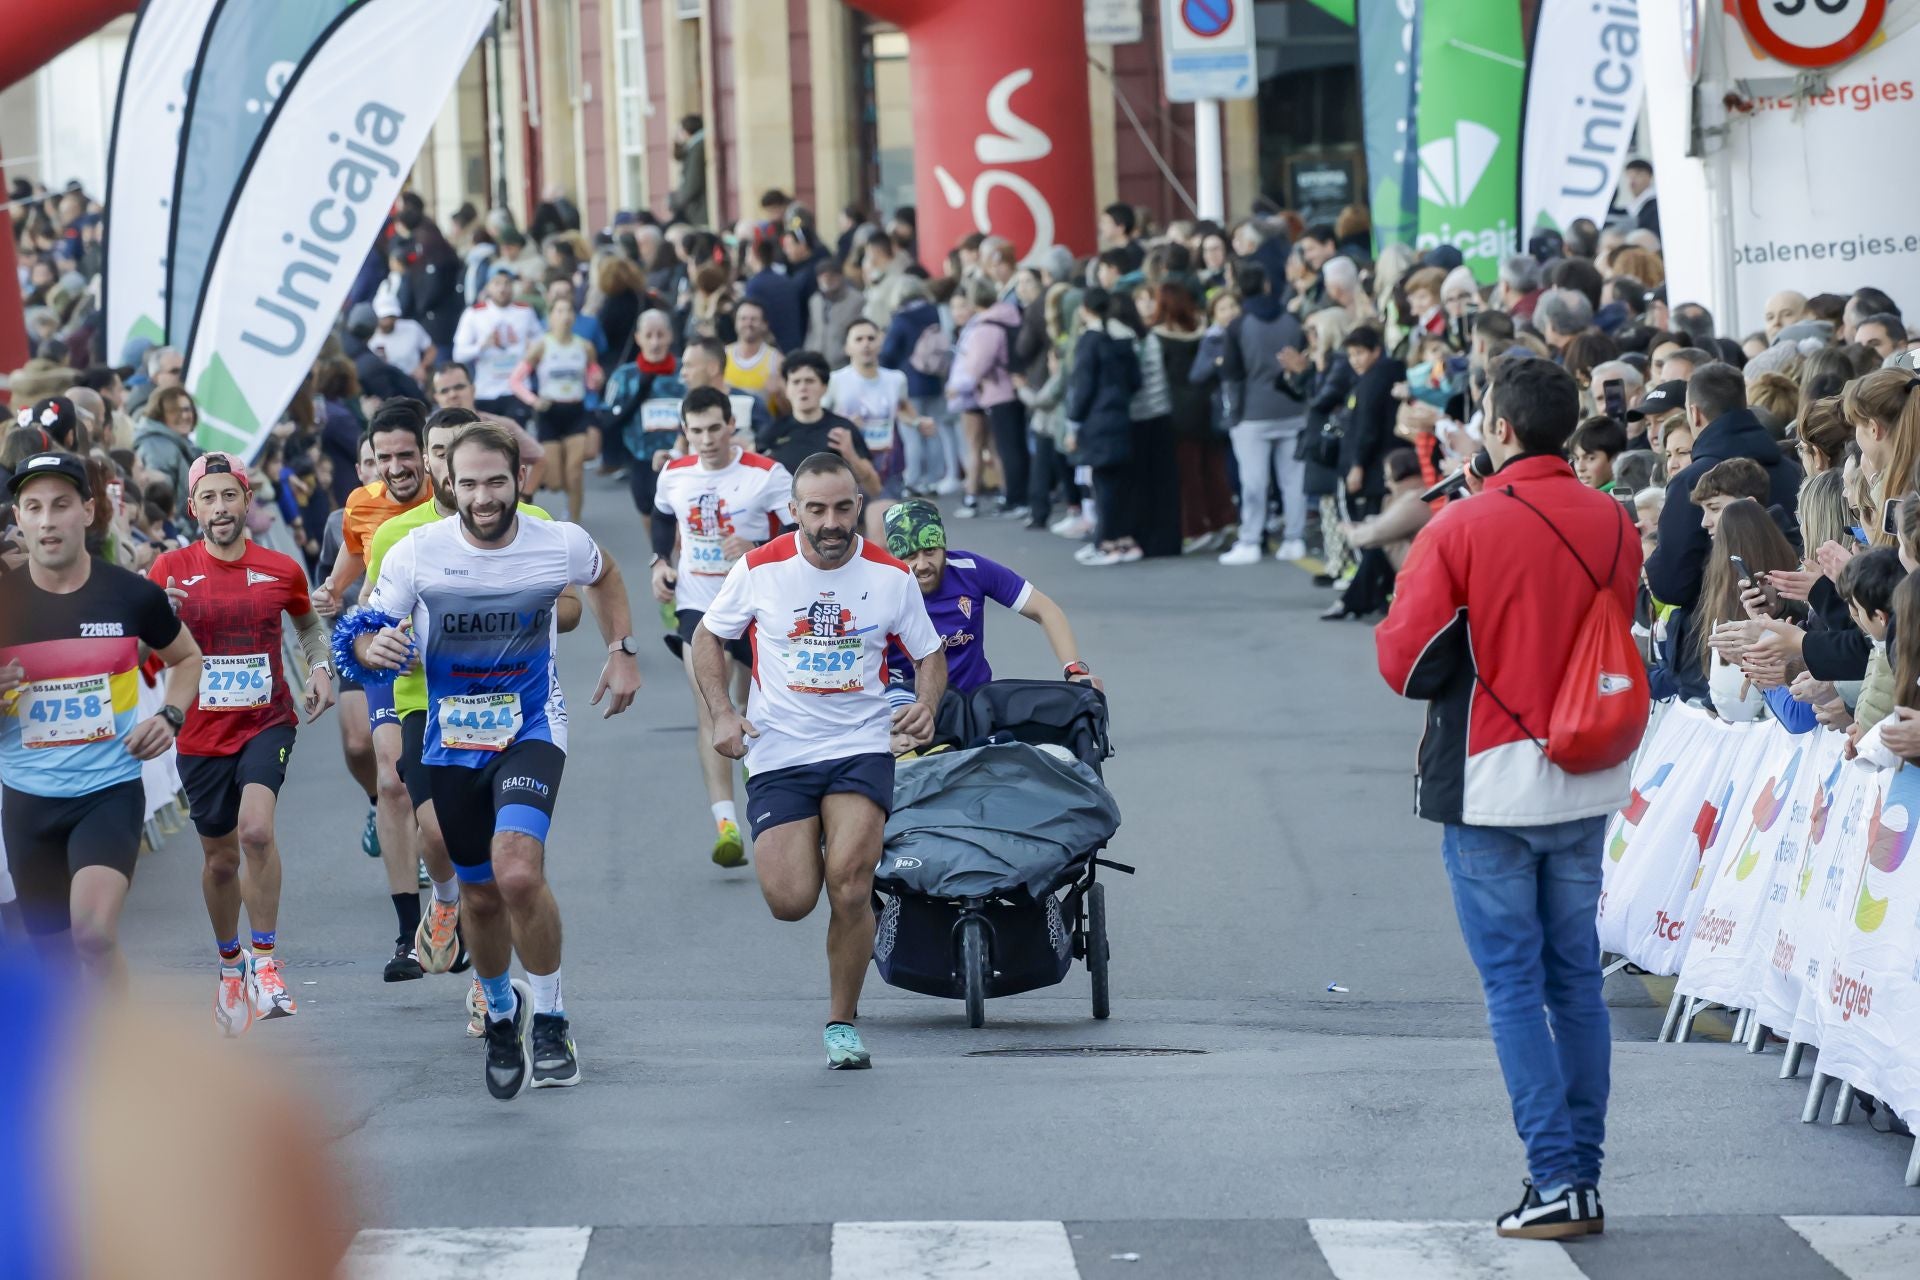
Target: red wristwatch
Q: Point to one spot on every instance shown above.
(1075, 670)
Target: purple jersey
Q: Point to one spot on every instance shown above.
(958, 610)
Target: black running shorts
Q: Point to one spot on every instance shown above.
(687, 621)
(214, 783)
(793, 794)
(413, 738)
(50, 838)
(514, 791)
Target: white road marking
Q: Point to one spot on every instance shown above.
(942, 1250)
(1359, 1249)
(480, 1253)
(1864, 1248)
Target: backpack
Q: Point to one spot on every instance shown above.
(932, 352)
(1600, 713)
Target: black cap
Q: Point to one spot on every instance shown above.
(65, 465)
(55, 415)
(1664, 398)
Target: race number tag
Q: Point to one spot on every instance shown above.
(660, 415)
(824, 664)
(479, 722)
(877, 430)
(235, 682)
(65, 712)
(706, 554)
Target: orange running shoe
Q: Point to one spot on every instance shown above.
(233, 999)
(476, 1010)
(271, 998)
(435, 941)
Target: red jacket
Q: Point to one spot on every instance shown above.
(1489, 597)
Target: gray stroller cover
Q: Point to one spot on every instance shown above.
(993, 819)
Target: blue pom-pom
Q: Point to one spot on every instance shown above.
(352, 624)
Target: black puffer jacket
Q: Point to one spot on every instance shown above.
(1106, 373)
(1678, 564)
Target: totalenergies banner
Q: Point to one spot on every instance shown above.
(1771, 874)
(1583, 99)
(329, 163)
(1472, 74)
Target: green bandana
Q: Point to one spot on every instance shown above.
(914, 525)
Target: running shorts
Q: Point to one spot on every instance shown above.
(50, 838)
(687, 621)
(380, 704)
(514, 791)
(793, 794)
(214, 783)
(413, 740)
(559, 421)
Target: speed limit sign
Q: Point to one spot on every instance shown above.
(1812, 33)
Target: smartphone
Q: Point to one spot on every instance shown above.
(1890, 517)
(1613, 393)
(1739, 568)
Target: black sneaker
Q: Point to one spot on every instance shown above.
(555, 1065)
(1561, 1218)
(509, 1065)
(1596, 1213)
(405, 965)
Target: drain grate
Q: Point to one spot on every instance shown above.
(1086, 1051)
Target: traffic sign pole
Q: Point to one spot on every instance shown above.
(1209, 186)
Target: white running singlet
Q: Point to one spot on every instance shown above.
(746, 498)
(869, 403)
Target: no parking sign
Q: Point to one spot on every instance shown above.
(1209, 49)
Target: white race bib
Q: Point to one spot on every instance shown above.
(235, 682)
(877, 430)
(65, 712)
(480, 721)
(660, 415)
(706, 554)
(824, 664)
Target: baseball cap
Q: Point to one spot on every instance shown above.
(55, 415)
(65, 465)
(215, 463)
(1664, 398)
(384, 305)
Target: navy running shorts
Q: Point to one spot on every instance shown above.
(793, 794)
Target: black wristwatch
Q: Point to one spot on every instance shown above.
(626, 645)
(175, 717)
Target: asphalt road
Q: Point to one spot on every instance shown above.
(1232, 1108)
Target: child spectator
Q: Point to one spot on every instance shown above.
(1728, 482)
(1595, 444)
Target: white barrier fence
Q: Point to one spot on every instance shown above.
(1774, 877)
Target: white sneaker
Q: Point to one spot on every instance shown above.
(234, 998)
(271, 998)
(1240, 554)
(1086, 554)
(1075, 527)
(947, 487)
(1100, 559)
(1291, 549)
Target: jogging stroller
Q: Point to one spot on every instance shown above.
(987, 886)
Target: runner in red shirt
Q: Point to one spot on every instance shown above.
(233, 748)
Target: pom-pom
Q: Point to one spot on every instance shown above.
(355, 623)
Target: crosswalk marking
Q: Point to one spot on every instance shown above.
(1358, 1249)
(1864, 1248)
(481, 1253)
(939, 1250)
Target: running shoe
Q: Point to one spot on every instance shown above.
(461, 960)
(233, 999)
(1240, 554)
(476, 1010)
(555, 1065)
(845, 1052)
(437, 940)
(370, 836)
(509, 1065)
(425, 880)
(729, 850)
(271, 997)
(405, 965)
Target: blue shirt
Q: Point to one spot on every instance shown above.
(958, 608)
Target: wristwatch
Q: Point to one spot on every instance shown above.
(625, 644)
(174, 716)
(1075, 670)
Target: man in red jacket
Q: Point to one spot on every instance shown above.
(1486, 611)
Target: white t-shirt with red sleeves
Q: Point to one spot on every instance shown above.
(820, 641)
(747, 498)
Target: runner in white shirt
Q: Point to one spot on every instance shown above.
(722, 501)
(404, 344)
(875, 400)
(822, 605)
(491, 340)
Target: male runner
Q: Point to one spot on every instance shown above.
(397, 431)
(809, 429)
(824, 605)
(71, 740)
(874, 400)
(356, 735)
(722, 501)
(436, 942)
(233, 751)
(480, 592)
(453, 389)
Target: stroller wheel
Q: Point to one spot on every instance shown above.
(973, 968)
(1097, 948)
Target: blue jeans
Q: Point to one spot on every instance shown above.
(1527, 899)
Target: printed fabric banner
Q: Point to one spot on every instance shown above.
(336, 150)
(153, 100)
(1472, 74)
(1583, 99)
(1665, 823)
(1389, 37)
(251, 49)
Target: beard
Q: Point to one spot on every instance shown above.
(405, 489)
(489, 529)
(829, 543)
(225, 535)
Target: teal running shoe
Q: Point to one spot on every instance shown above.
(370, 836)
(844, 1050)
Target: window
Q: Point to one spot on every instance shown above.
(630, 69)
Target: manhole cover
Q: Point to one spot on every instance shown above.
(1085, 1051)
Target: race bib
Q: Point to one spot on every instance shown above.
(236, 682)
(660, 415)
(65, 712)
(824, 664)
(743, 409)
(877, 430)
(567, 385)
(706, 554)
(480, 721)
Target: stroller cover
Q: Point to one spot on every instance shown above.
(993, 819)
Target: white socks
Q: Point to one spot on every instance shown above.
(723, 812)
(546, 992)
(447, 890)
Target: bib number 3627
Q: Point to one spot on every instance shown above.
(235, 682)
(480, 722)
(65, 712)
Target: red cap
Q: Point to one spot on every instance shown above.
(215, 462)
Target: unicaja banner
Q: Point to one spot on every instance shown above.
(1583, 98)
(334, 155)
(1472, 74)
(1389, 51)
(141, 159)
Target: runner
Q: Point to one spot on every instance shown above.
(722, 501)
(808, 428)
(436, 942)
(875, 400)
(824, 605)
(453, 389)
(566, 370)
(71, 740)
(233, 750)
(397, 432)
(496, 745)
(356, 734)
(957, 585)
